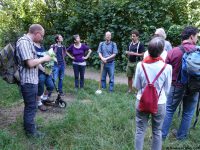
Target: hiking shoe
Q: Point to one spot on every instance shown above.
(42, 108)
(36, 134)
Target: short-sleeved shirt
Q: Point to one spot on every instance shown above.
(137, 49)
(78, 53)
(107, 49)
(26, 51)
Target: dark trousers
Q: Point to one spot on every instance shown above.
(29, 93)
(79, 70)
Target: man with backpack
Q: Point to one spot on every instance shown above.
(135, 52)
(107, 51)
(28, 71)
(178, 92)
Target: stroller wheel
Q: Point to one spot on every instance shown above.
(62, 104)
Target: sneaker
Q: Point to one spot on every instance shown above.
(129, 91)
(42, 108)
(44, 97)
(36, 134)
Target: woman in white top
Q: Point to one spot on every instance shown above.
(152, 64)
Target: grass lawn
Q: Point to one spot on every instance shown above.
(90, 122)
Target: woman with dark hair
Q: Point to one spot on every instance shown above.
(59, 67)
(77, 52)
(153, 65)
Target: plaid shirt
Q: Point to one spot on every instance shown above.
(25, 51)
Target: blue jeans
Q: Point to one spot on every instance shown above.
(142, 124)
(45, 80)
(79, 70)
(109, 68)
(175, 96)
(59, 72)
(29, 93)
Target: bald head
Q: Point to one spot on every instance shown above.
(156, 46)
(35, 28)
(108, 36)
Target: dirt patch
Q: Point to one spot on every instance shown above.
(120, 78)
(8, 116)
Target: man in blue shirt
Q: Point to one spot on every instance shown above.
(107, 51)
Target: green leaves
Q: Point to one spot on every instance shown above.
(92, 18)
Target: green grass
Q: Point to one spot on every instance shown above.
(9, 94)
(103, 122)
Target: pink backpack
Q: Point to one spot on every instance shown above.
(149, 99)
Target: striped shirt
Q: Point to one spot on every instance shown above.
(25, 51)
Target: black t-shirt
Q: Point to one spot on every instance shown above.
(133, 48)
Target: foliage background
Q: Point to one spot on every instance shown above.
(92, 18)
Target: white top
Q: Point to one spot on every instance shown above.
(163, 55)
(152, 70)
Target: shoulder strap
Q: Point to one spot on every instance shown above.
(145, 73)
(138, 46)
(129, 48)
(159, 73)
(112, 47)
(156, 75)
(182, 48)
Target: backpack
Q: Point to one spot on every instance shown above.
(55, 47)
(8, 65)
(190, 70)
(149, 99)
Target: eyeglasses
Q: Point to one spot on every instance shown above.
(41, 34)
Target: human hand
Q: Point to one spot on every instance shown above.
(47, 58)
(84, 57)
(104, 60)
(126, 52)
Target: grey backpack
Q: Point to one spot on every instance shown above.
(8, 65)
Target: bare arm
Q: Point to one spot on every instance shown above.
(134, 54)
(110, 57)
(35, 62)
(69, 55)
(89, 52)
(102, 58)
(41, 67)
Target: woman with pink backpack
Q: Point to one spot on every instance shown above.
(152, 80)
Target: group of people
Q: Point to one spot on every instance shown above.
(171, 92)
(33, 77)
